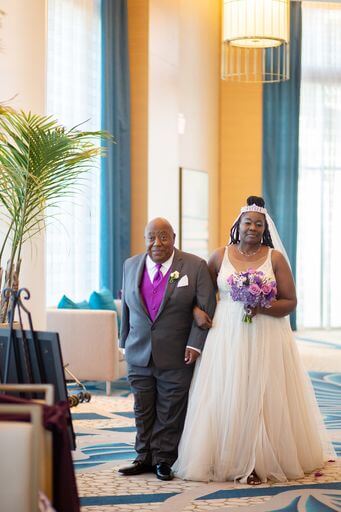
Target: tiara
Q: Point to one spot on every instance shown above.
(253, 208)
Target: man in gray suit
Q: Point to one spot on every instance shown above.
(161, 341)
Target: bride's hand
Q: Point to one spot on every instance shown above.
(201, 318)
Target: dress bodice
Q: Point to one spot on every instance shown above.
(227, 269)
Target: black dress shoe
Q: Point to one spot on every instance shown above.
(163, 471)
(136, 468)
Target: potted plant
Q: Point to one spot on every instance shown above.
(40, 162)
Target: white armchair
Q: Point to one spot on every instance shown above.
(89, 342)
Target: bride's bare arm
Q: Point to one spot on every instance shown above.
(286, 293)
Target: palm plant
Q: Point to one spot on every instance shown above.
(40, 162)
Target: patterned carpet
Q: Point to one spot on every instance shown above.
(105, 439)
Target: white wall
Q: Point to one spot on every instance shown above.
(22, 72)
(184, 76)
(199, 81)
(163, 144)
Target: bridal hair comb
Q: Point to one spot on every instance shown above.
(253, 208)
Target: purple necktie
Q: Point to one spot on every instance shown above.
(158, 275)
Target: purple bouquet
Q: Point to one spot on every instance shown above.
(253, 289)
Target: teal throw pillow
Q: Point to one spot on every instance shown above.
(103, 300)
(83, 305)
(66, 303)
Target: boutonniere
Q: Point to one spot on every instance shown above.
(174, 276)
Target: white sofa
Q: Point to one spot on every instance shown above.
(89, 342)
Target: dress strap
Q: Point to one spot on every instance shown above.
(268, 262)
(269, 253)
(225, 259)
(225, 262)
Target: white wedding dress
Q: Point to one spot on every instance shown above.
(251, 404)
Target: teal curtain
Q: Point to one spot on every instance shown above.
(281, 104)
(115, 167)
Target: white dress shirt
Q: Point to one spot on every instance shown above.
(152, 266)
(152, 269)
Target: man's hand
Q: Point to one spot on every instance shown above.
(191, 355)
(201, 318)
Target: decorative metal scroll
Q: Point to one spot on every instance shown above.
(18, 336)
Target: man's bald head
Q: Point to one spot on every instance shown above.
(159, 238)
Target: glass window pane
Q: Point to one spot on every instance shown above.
(319, 241)
(74, 96)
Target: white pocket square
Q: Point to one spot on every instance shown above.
(183, 281)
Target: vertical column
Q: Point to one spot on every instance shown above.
(240, 149)
(138, 31)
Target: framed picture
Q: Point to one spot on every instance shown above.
(194, 196)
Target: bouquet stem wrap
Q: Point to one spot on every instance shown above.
(247, 317)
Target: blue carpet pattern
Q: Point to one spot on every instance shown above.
(103, 453)
(105, 433)
(304, 498)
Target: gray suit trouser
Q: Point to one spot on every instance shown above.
(160, 409)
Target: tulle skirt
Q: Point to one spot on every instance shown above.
(251, 405)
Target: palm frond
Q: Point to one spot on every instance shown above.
(40, 163)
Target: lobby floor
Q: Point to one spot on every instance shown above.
(105, 440)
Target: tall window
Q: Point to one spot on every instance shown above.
(319, 214)
(73, 96)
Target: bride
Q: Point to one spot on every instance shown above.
(252, 413)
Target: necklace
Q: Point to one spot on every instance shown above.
(248, 254)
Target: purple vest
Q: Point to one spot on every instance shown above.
(152, 296)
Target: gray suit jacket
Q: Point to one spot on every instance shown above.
(173, 329)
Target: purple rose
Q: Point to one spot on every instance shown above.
(266, 289)
(254, 289)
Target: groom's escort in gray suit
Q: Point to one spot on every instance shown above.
(156, 341)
